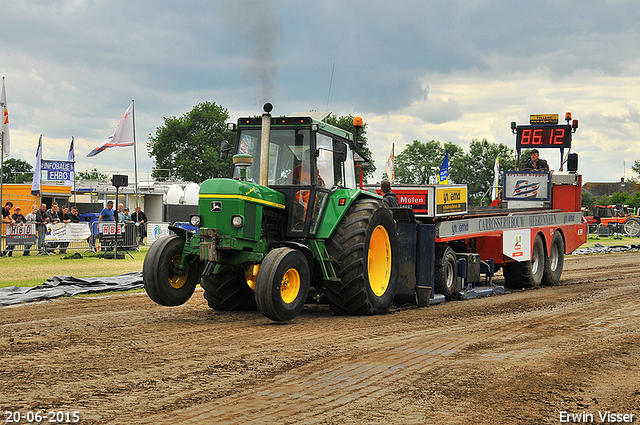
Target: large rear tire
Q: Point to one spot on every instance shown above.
(227, 290)
(282, 284)
(162, 283)
(365, 250)
(526, 274)
(632, 227)
(554, 262)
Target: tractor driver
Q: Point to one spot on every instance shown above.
(301, 175)
(536, 163)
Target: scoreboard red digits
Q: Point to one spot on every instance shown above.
(550, 136)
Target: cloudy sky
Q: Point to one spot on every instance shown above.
(427, 70)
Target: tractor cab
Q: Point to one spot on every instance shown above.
(308, 159)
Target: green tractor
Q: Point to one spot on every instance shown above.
(289, 226)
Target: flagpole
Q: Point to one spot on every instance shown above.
(75, 200)
(135, 153)
(393, 163)
(2, 164)
(4, 107)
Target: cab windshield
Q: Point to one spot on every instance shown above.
(289, 156)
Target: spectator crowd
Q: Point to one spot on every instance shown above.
(43, 216)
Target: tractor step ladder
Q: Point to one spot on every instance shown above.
(326, 262)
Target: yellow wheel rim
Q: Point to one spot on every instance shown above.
(251, 274)
(177, 280)
(290, 286)
(379, 261)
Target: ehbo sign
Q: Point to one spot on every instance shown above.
(57, 170)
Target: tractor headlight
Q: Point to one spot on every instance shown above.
(195, 220)
(237, 221)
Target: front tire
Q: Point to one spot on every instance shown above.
(161, 282)
(282, 284)
(227, 290)
(365, 249)
(526, 274)
(554, 263)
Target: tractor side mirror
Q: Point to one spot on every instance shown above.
(340, 152)
(224, 150)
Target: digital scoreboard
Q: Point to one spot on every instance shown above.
(543, 136)
(545, 132)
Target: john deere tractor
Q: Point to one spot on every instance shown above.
(288, 222)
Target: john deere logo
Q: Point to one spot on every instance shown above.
(216, 206)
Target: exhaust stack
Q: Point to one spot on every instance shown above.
(264, 144)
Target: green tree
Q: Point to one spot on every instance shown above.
(419, 163)
(189, 146)
(621, 198)
(636, 167)
(588, 200)
(92, 175)
(345, 122)
(16, 171)
(475, 169)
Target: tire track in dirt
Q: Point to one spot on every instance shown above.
(123, 359)
(314, 396)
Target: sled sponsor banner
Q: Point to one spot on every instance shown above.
(526, 186)
(478, 225)
(516, 244)
(23, 233)
(451, 200)
(67, 232)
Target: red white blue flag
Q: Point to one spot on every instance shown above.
(122, 135)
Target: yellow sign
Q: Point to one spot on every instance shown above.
(543, 119)
(451, 200)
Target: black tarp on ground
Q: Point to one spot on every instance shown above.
(66, 286)
(600, 249)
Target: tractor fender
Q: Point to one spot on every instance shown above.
(300, 247)
(179, 231)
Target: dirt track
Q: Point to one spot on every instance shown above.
(523, 357)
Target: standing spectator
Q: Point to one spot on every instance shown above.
(106, 215)
(107, 212)
(63, 218)
(6, 219)
(21, 220)
(72, 216)
(31, 218)
(140, 218)
(126, 217)
(389, 198)
(54, 217)
(41, 221)
(120, 213)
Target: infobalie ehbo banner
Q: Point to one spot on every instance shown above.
(58, 170)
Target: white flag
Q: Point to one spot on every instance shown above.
(35, 184)
(71, 157)
(5, 122)
(122, 135)
(496, 171)
(389, 166)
